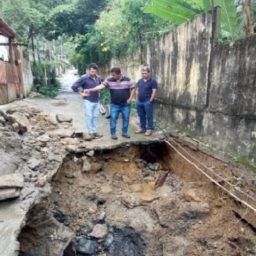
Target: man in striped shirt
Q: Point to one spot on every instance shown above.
(121, 92)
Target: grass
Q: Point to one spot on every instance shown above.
(50, 91)
(245, 162)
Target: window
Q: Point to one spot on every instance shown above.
(4, 49)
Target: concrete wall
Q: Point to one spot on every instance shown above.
(206, 89)
(27, 76)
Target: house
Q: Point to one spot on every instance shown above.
(16, 78)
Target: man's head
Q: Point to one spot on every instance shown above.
(145, 71)
(116, 73)
(93, 68)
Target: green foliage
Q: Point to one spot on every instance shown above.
(88, 49)
(22, 15)
(245, 162)
(72, 17)
(120, 29)
(180, 11)
(105, 97)
(45, 78)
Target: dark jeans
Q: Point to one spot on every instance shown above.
(145, 113)
(115, 109)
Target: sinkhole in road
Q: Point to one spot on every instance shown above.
(133, 201)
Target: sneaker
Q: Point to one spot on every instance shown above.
(140, 131)
(125, 135)
(114, 137)
(97, 135)
(148, 132)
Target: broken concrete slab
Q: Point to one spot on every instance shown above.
(63, 133)
(33, 163)
(14, 180)
(63, 119)
(9, 193)
(86, 165)
(44, 138)
(21, 120)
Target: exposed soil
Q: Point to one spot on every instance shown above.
(139, 200)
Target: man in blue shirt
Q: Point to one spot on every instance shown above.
(91, 101)
(145, 93)
(121, 94)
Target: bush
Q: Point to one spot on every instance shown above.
(45, 80)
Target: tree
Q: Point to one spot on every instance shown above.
(72, 17)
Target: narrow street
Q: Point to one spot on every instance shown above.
(70, 105)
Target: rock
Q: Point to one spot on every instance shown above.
(179, 217)
(87, 247)
(70, 141)
(96, 167)
(160, 135)
(63, 133)
(194, 210)
(102, 216)
(151, 166)
(93, 208)
(136, 188)
(191, 195)
(178, 246)
(127, 179)
(86, 165)
(33, 163)
(164, 191)
(108, 241)
(90, 153)
(148, 198)
(99, 231)
(4, 115)
(60, 216)
(16, 127)
(2, 120)
(9, 193)
(14, 180)
(69, 175)
(21, 120)
(43, 138)
(130, 201)
(61, 118)
(106, 189)
(138, 217)
(140, 163)
(41, 181)
(87, 137)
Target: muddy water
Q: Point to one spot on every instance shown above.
(185, 215)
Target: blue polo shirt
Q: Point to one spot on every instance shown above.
(87, 82)
(145, 89)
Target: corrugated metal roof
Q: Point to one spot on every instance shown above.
(6, 30)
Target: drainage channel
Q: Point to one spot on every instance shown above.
(134, 201)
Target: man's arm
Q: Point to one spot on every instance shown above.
(131, 96)
(95, 89)
(153, 95)
(78, 85)
(154, 91)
